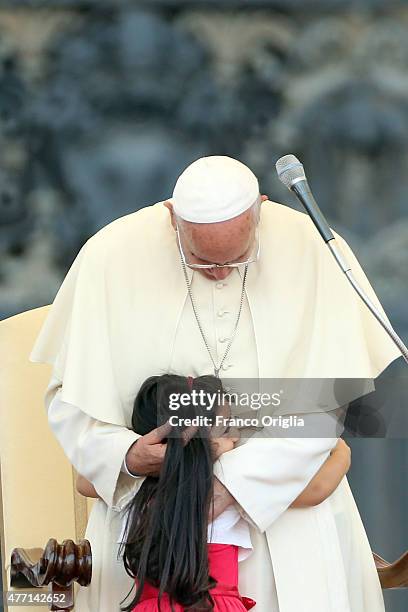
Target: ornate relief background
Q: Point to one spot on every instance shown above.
(102, 104)
(100, 109)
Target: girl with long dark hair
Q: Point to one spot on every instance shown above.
(180, 558)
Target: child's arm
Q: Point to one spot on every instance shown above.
(327, 479)
(85, 487)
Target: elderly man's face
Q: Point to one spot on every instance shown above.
(224, 242)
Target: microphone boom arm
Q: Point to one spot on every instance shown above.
(291, 174)
(339, 257)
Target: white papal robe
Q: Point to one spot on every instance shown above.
(123, 314)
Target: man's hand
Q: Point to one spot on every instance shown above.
(222, 499)
(145, 456)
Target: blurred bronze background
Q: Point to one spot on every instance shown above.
(102, 104)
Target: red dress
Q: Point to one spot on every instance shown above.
(223, 566)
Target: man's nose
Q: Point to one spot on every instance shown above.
(220, 273)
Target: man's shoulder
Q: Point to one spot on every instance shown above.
(274, 215)
(140, 220)
(137, 228)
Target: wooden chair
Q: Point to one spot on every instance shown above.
(38, 499)
(39, 502)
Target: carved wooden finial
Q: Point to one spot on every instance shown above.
(58, 564)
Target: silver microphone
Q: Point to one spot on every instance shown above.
(291, 173)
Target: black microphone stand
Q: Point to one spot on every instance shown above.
(302, 190)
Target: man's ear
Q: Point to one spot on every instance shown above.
(169, 207)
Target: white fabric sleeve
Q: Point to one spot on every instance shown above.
(96, 449)
(125, 469)
(265, 475)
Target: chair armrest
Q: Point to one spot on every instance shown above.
(392, 575)
(58, 564)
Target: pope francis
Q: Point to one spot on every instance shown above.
(215, 280)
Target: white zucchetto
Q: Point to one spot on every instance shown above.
(214, 189)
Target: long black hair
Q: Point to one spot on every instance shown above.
(167, 520)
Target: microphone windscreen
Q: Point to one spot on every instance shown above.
(289, 169)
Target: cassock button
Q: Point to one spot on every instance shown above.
(221, 313)
(220, 285)
(223, 340)
(226, 367)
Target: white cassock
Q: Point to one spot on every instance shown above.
(122, 314)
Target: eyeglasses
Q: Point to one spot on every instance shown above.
(236, 264)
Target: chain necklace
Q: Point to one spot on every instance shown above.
(216, 369)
